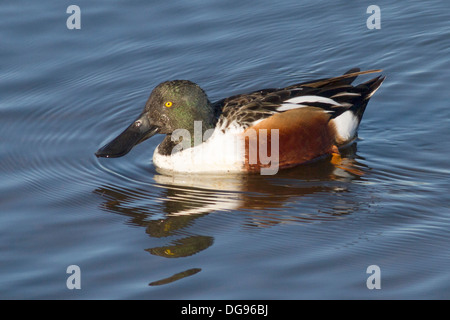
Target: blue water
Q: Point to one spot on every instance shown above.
(306, 233)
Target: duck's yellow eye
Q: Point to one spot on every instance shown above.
(168, 104)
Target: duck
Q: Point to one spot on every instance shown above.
(257, 132)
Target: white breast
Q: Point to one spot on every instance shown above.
(220, 153)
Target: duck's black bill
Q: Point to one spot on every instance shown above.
(137, 132)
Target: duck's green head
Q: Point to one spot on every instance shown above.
(172, 105)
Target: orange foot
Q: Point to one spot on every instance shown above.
(344, 164)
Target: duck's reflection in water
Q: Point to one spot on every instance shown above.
(176, 277)
(169, 206)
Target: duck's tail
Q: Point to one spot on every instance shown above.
(356, 97)
(367, 90)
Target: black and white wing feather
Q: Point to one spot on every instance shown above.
(334, 96)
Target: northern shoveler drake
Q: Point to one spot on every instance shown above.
(296, 124)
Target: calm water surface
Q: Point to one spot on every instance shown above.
(309, 232)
